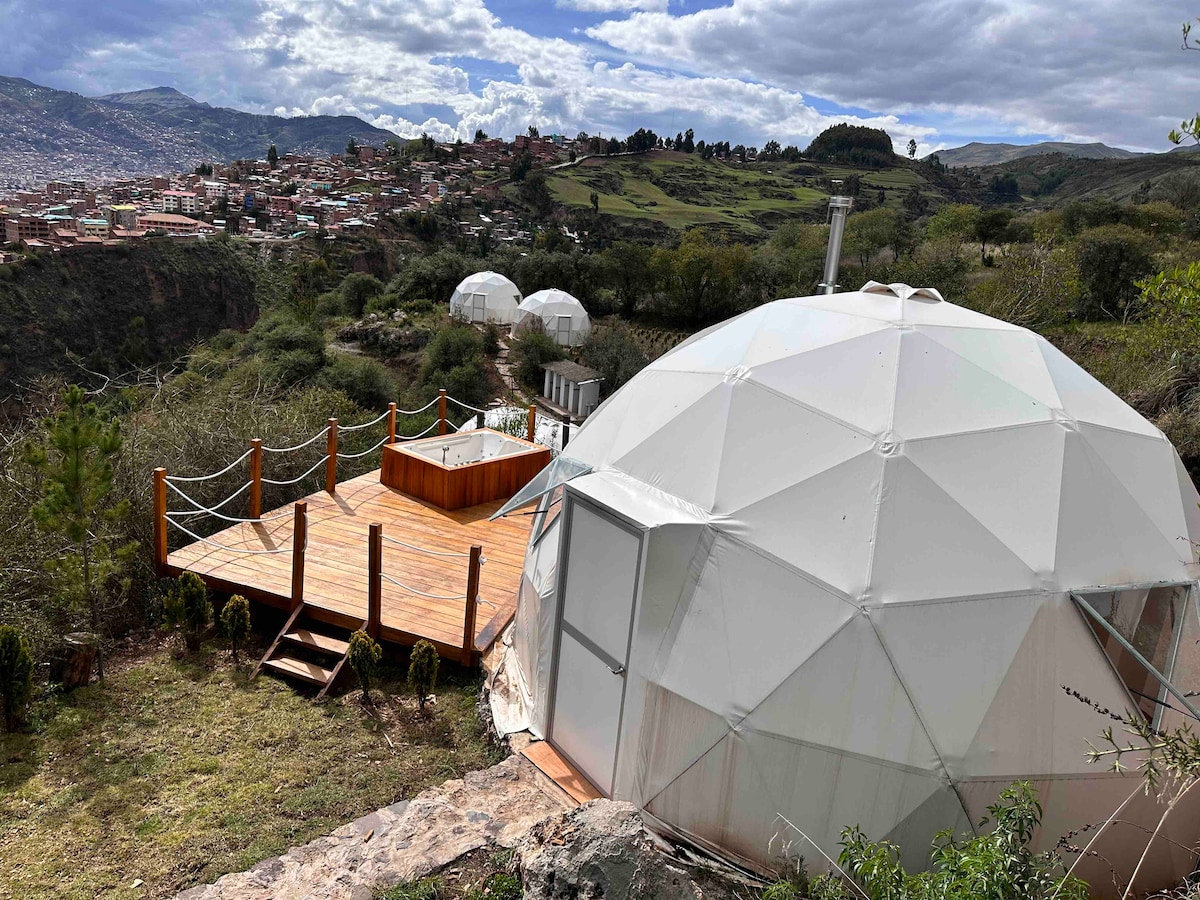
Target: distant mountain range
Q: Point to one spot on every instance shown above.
(60, 133)
(979, 154)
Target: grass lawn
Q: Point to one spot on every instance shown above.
(175, 772)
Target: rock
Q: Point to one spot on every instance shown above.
(602, 849)
(401, 842)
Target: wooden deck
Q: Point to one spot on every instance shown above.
(335, 587)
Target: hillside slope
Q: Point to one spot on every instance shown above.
(87, 304)
(61, 133)
(680, 190)
(978, 153)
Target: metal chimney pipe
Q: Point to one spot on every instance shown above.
(839, 208)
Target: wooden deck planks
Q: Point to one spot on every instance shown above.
(335, 574)
(557, 769)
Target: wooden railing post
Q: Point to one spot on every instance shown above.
(160, 522)
(391, 423)
(566, 423)
(442, 411)
(374, 579)
(480, 420)
(468, 648)
(256, 456)
(299, 544)
(331, 457)
(531, 424)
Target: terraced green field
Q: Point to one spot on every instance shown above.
(681, 190)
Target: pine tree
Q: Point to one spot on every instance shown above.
(75, 460)
(422, 671)
(188, 609)
(16, 676)
(235, 619)
(272, 157)
(364, 655)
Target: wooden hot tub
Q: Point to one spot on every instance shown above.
(458, 470)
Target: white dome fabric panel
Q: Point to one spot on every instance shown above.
(486, 297)
(863, 614)
(561, 315)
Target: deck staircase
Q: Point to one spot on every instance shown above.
(307, 650)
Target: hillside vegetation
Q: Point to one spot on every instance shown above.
(113, 309)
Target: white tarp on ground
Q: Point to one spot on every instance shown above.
(563, 317)
(860, 518)
(486, 297)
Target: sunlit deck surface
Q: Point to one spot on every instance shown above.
(336, 573)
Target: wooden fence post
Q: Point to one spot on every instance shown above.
(531, 424)
(331, 457)
(299, 544)
(468, 648)
(480, 420)
(160, 522)
(566, 423)
(391, 423)
(374, 579)
(442, 411)
(256, 459)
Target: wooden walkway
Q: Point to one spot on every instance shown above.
(335, 587)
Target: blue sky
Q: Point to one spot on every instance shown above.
(941, 71)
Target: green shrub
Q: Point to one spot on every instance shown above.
(1111, 259)
(382, 304)
(452, 346)
(16, 676)
(357, 289)
(491, 339)
(529, 352)
(997, 864)
(364, 655)
(235, 622)
(364, 380)
(468, 382)
(502, 886)
(422, 671)
(422, 889)
(187, 609)
(613, 353)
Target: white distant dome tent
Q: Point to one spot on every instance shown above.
(485, 297)
(563, 317)
(832, 563)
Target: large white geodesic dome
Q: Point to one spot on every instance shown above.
(486, 297)
(834, 561)
(563, 316)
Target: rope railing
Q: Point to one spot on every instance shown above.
(412, 590)
(419, 434)
(320, 462)
(466, 405)
(366, 452)
(211, 543)
(392, 540)
(375, 421)
(200, 509)
(316, 437)
(413, 412)
(228, 468)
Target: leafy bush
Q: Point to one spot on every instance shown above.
(1111, 259)
(235, 622)
(529, 352)
(997, 865)
(364, 655)
(422, 671)
(356, 289)
(612, 351)
(16, 676)
(360, 378)
(187, 609)
(491, 339)
(1035, 285)
(453, 345)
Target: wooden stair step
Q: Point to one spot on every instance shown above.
(315, 640)
(298, 668)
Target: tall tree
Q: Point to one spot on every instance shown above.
(352, 147)
(75, 460)
(272, 157)
(480, 136)
(912, 148)
(533, 131)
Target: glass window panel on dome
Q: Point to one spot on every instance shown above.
(1138, 629)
